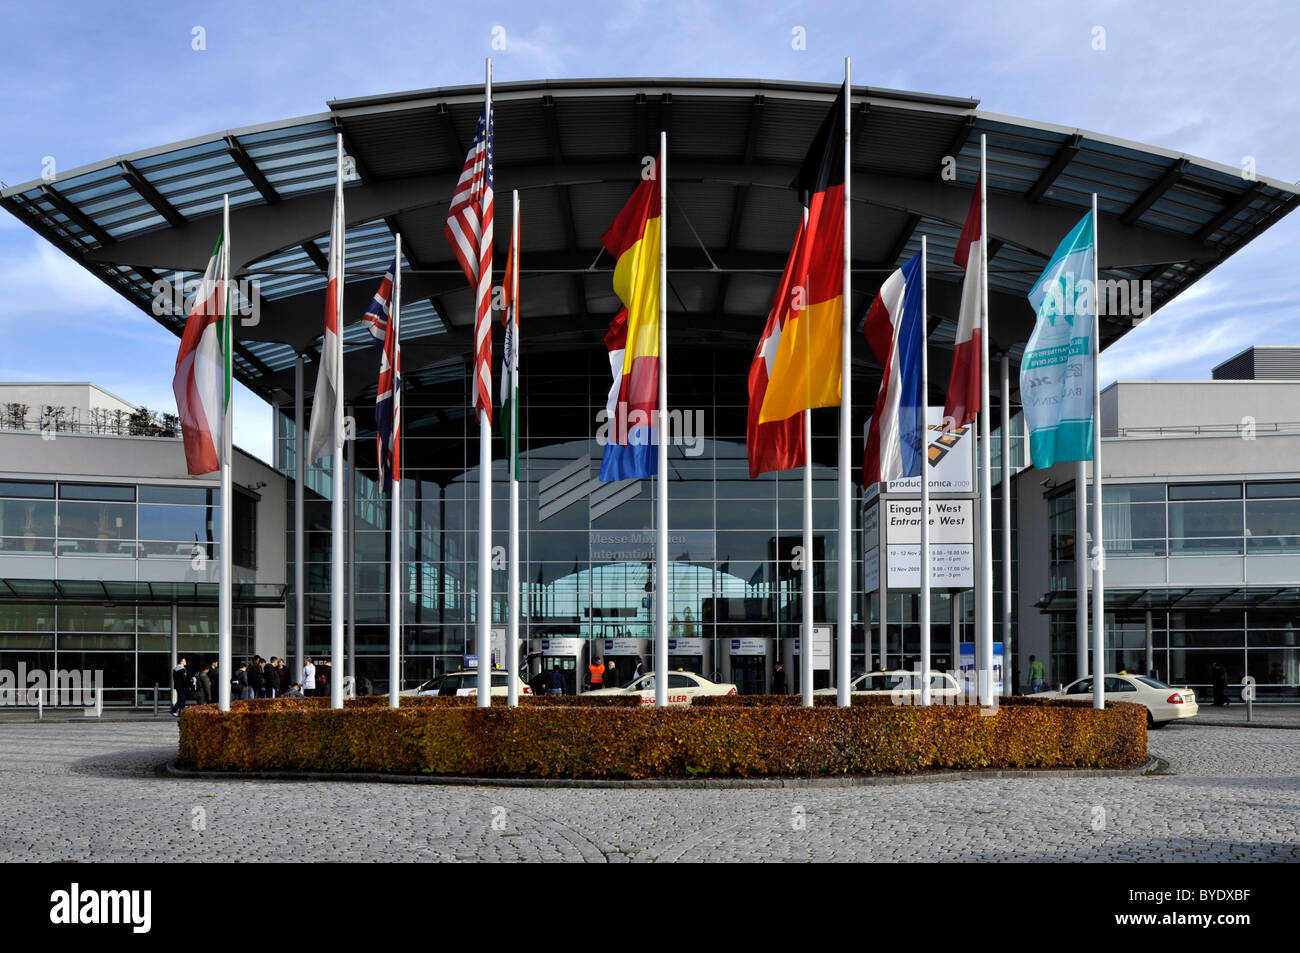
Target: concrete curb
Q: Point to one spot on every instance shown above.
(1216, 723)
(1152, 766)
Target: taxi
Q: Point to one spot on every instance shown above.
(902, 685)
(1162, 702)
(465, 682)
(682, 687)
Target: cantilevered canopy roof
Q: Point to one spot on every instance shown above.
(95, 591)
(573, 149)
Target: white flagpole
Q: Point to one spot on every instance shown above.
(224, 607)
(512, 466)
(299, 535)
(661, 504)
(1081, 567)
(925, 489)
(844, 609)
(1098, 540)
(805, 642)
(985, 627)
(1007, 667)
(485, 481)
(339, 474)
(396, 577)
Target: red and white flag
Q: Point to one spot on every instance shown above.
(963, 401)
(202, 380)
(323, 438)
(469, 231)
(775, 444)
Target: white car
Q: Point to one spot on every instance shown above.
(465, 682)
(1163, 703)
(682, 687)
(900, 684)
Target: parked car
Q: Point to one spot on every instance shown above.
(1163, 702)
(901, 684)
(682, 687)
(465, 682)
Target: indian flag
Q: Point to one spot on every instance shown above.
(202, 381)
(509, 421)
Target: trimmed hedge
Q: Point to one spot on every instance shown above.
(429, 701)
(728, 740)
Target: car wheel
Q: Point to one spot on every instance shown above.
(1152, 724)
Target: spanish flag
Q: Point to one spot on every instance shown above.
(806, 370)
(633, 242)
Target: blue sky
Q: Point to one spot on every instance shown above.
(87, 81)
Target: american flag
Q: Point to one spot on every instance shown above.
(388, 412)
(469, 231)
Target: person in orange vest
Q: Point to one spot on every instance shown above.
(596, 674)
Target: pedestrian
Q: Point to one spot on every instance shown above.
(1220, 676)
(309, 677)
(639, 670)
(778, 679)
(324, 672)
(596, 675)
(204, 681)
(557, 682)
(294, 692)
(239, 684)
(1036, 676)
(282, 672)
(611, 679)
(181, 685)
(272, 678)
(255, 678)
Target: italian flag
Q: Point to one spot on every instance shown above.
(202, 381)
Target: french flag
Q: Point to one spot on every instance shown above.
(963, 401)
(895, 331)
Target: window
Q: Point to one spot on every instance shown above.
(1204, 491)
(1118, 685)
(1273, 525)
(243, 527)
(42, 491)
(96, 491)
(195, 496)
(1082, 687)
(681, 681)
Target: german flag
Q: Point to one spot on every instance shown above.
(806, 370)
(633, 242)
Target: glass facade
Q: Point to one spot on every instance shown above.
(1189, 520)
(588, 548)
(151, 533)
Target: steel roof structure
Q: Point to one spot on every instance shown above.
(573, 149)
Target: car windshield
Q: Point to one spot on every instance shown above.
(644, 684)
(1152, 682)
(882, 682)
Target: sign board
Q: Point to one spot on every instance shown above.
(966, 668)
(747, 646)
(951, 459)
(624, 646)
(951, 567)
(821, 647)
(951, 521)
(563, 646)
(686, 646)
(471, 661)
(871, 569)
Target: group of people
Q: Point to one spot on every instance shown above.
(600, 674)
(260, 678)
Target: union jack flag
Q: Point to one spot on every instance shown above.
(382, 320)
(469, 232)
(376, 319)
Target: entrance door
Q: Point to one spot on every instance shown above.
(568, 668)
(749, 673)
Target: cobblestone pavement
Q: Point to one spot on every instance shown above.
(91, 792)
